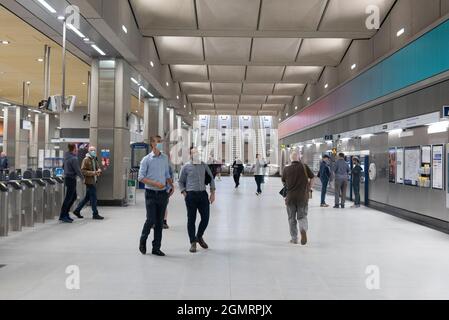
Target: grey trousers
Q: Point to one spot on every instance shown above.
(341, 186)
(297, 214)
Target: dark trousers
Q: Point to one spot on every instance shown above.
(324, 185)
(91, 196)
(156, 204)
(197, 201)
(356, 187)
(237, 179)
(70, 197)
(259, 181)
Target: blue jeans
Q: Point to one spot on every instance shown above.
(91, 195)
(197, 201)
(324, 185)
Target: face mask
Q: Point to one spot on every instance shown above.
(93, 154)
(160, 146)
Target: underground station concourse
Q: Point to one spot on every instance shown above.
(272, 149)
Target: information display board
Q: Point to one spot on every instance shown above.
(426, 154)
(438, 167)
(400, 165)
(392, 163)
(412, 164)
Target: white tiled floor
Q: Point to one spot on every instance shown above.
(250, 255)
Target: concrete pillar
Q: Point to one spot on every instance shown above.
(109, 127)
(151, 119)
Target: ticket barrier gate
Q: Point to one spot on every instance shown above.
(28, 217)
(59, 193)
(15, 203)
(39, 194)
(4, 209)
(50, 209)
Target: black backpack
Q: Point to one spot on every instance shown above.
(208, 178)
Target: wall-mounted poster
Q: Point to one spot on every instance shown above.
(412, 164)
(426, 152)
(400, 165)
(438, 167)
(392, 165)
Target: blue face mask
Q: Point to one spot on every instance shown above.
(160, 146)
(93, 154)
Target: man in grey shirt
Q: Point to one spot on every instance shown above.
(341, 171)
(192, 184)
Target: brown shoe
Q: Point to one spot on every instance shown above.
(193, 248)
(202, 243)
(303, 238)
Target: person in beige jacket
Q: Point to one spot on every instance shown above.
(91, 171)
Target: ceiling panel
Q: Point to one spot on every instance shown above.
(232, 112)
(302, 74)
(228, 15)
(291, 14)
(189, 73)
(227, 73)
(261, 74)
(268, 113)
(221, 106)
(248, 112)
(273, 107)
(247, 106)
(227, 49)
(163, 14)
(200, 98)
(205, 112)
(258, 88)
(253, 99)
(279, 99)
(226, 98)
(195, 87)
(344, 15)
(203, 106)
(289, 89)
(322, 52)
(277, 49)
(179, 49)
(227, 88)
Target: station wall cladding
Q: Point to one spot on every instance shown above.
(424, 205)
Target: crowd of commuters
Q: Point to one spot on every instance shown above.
(157, 175)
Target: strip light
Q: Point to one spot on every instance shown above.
(149, 93)
(438, 127)
(135, 81)
(98, 50)
(47, 6)
(71, 27)
(5, 103)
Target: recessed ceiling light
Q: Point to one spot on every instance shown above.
(40, 60)
(167, 84)
(308, 98)
(326, 86)
(152, 64)
(47, 6)
(286, 114)
(185, 106)
(61, 18)
(296, 107)
(86, 39)
(400, 32)
(98, 50)
(125, 30)
(353, 66)
(28, 83)
(83, 83)
(177, 97)
(190, 113)
(280, 119)
(5, 42)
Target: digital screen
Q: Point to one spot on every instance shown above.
(59, 172)
(26, 125)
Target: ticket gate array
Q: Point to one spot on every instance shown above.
(35, 197)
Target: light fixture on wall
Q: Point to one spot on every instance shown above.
(125, 30)
(353, 66)
(400, 32)
(47, 6)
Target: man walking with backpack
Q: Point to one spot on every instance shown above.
(195, 175)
